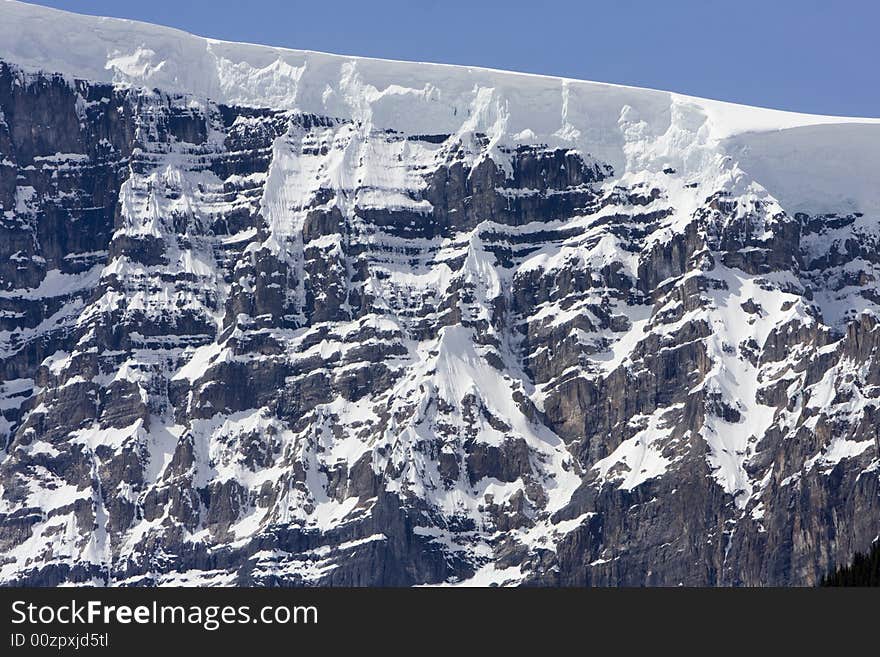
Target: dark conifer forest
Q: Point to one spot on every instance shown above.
(863, 571)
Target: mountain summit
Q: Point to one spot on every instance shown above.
(276, 317)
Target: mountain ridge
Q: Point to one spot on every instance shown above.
(560, 338)
(25, 20)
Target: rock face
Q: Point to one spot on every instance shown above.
(252, 343)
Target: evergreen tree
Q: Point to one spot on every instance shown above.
(863, 571)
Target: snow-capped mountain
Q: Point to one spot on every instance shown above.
(282, 317)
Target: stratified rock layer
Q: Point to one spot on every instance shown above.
(260, 346)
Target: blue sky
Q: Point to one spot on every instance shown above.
(804, 55)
